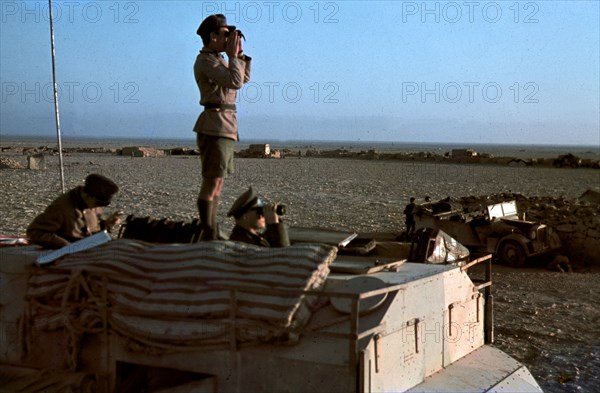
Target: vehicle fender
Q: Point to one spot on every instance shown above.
(522, 240)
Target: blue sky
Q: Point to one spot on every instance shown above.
(522, 72)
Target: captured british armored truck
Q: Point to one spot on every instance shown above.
(221, 316)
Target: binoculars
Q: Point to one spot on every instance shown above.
(238, 32)
(280, 210)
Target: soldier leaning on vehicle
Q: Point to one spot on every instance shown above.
(75, 214)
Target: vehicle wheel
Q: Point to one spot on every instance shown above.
(512, 254)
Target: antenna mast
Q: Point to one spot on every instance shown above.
(56, 115)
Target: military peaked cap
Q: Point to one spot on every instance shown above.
(245, 202)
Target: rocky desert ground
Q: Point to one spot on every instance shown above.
(547, 320)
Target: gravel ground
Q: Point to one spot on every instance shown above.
(549, 321)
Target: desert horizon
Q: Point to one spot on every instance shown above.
(550, 329)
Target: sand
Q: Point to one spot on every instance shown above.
(547, 320)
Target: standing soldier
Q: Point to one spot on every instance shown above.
(216, 127)
(409, 210)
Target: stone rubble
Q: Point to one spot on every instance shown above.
(7, 163)
(138, 151)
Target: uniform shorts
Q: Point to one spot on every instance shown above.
(216, 155)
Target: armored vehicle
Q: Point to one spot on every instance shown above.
(222, 316)
(497, 230)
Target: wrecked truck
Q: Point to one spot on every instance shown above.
(222, 316)
(497, 229)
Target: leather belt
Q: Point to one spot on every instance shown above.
(219, 106)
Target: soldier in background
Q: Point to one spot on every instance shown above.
(251, 216)
(75, 214)
(409, 211)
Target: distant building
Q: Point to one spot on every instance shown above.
(462, 153)
(259, 150)
(137, 151)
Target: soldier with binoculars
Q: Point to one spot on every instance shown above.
(218, 81)
(252, 215)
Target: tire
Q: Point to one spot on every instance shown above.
(512, 253)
